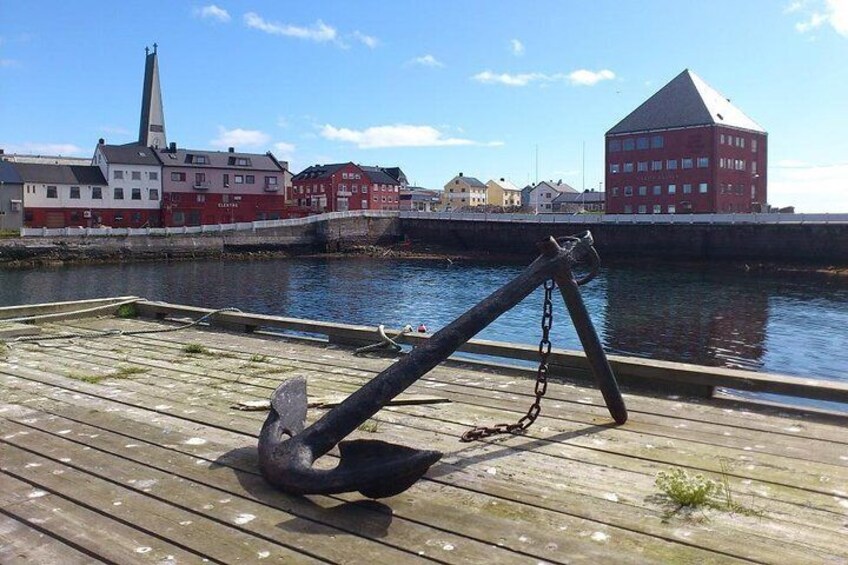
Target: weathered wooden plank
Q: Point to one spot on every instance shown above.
(542, 533)
(131, 505)
(11, 330)
(54, 311)
(22, 543)
(85, 530)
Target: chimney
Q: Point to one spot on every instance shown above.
(231, 149)
(173, 147)
(502, 179)
(101, 141)
(460, 173)
(2, 151)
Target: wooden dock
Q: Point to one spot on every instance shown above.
(127, 449)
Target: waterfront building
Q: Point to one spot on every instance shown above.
(133, 174)
(221, 187)
(502, 192)
(339, 187)
(589, 200)
(416, 198)
(58, 196)
(462, 191)
(686, 149)
(11, 197)
(539, 198)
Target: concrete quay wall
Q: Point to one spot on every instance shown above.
(784, 242)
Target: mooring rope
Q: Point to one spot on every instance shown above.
(385, 342)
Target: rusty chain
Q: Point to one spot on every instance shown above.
(535, 409)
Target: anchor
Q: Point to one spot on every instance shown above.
(376, 469)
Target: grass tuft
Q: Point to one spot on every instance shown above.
(684, 490)
(127, 311)
(370, 426)
(257, 358)
(195, 349)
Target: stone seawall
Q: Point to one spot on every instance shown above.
(788, 243)
(331, 235)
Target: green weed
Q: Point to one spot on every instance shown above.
(370, 426)
(195, 349)
(127, 311)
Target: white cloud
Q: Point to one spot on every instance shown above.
(284, 148)
(833, 12)
(212, 12)
(30, 148)
(367, 40)
(810, 188)
(397, 135)
(583, 77)
(319, 32)
(240, 138)
(117, 130)
(426, 61)
(580, 77)
(517, 47)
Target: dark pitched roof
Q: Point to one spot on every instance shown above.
(129, 154)
(685, 101)
(60, 174)
(379, 175)
(471, 181)
(585, 197)
(217, 159)
(319, 171)
(8, 173)
(396, 173)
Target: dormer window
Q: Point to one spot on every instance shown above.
(198, 159)
(239, 161)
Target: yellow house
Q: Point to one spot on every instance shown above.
(503, 193)
(463, 191)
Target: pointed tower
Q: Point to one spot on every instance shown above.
(151, 131)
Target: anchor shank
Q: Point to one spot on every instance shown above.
(368, 400)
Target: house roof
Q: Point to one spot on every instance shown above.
(470, 180)
(684, 102)
(504, 184)
(60, 174)
(217, 159)
(8, 173)
(558, 186)
(585, 197)
(396, 173)
(319, 171)
(379, 175)
(129, 154)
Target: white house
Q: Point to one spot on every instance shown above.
(134, 175)
(542, 195)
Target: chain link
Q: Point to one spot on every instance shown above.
(535, 409)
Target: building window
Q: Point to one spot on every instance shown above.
(643, 191)
(199, 160)
(226, 180)
(753, 167)
(118, 194)
(686, 163)
(629, 144)
(703, 162)
(242, 162)
(657, 190)
(52, 192)
(239, 179)
(614, 145)
(153, 194)
(199, 178)
(365, 189)
(721, 139)
(656, 165)
(628, 191)
(135, 194)
(671, 164)
(628, 167)
(96, 193)
(615, 191)
(136, 175)
(75, 192)
(270, 181)
(642, 166)
(614, 168)
(672, 189)
(643, 209)
(178, 177)
(657, 209)
(672, 209)
(703, 188)
(119, 175)
(153, 175)
(628, 209)
(687, 189)
(721, 163)
(642, 143)
(201, 198)
(753, 146)
(249, 179)
(657, 142)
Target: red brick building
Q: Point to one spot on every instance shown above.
(686, 149)
(340, 187)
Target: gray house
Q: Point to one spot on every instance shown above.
(11, 197)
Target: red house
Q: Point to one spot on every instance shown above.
(345, 186)
(686, 149)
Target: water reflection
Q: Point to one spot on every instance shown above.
(711, 316)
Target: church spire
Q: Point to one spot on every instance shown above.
(151, 131)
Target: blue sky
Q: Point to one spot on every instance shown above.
(434, 87)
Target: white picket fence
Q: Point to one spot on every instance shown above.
(588, 219)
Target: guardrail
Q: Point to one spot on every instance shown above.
(596, 219)
(205, 229)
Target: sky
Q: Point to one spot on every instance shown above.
(520, 90)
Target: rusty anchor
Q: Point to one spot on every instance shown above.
(287, 451)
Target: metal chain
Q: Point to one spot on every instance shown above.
(535, 409)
